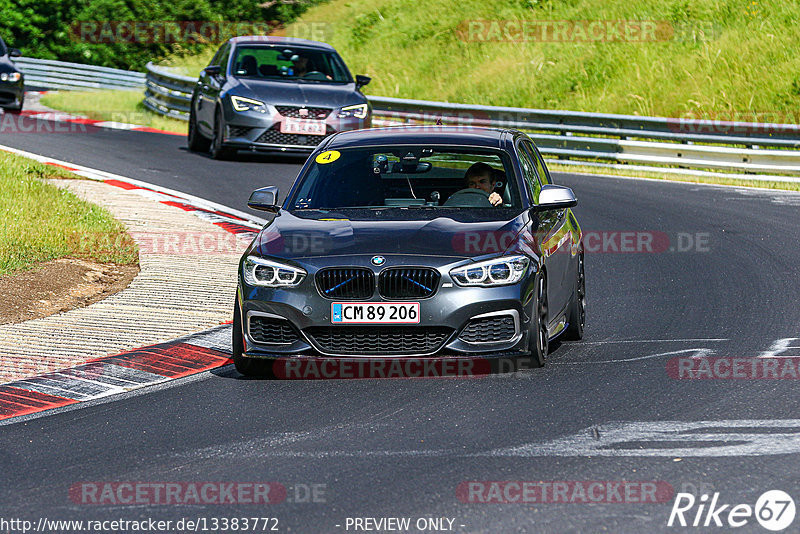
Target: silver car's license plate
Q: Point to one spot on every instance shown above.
(375, 312)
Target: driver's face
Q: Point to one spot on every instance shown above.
(480, 182)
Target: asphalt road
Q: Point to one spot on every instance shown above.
(401, 448)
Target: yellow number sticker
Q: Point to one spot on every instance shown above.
(327, 157)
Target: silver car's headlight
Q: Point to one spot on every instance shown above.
(359, 111)
(267, 273)
(501, 271)
(241, 103)
(10, 76)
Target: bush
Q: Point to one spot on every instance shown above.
(50, 29)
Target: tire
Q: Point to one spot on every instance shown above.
(218, 150)
(197, 141)
(577, 309)
(245, 366)
(539, 331)
(16, 110)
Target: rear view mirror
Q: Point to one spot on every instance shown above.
(264, 199)
(213, 70)
(555, 197)
(14, 52)
(362, 80)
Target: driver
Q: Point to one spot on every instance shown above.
(300, 66)
(480, 176)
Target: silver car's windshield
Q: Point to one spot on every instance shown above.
(297, 64)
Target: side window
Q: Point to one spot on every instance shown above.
(215, 59)
(222, 60)
(541, 170)
(529, 172)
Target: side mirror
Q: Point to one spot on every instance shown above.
(264, 199)
(14, 52)
(362, 80)
(213, 70)
(555, 197)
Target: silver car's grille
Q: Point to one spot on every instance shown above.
(239, 131)
(309, 113)
(379, 340)
(273, 136)
(489, 329)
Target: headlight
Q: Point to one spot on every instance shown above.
(359, 111)
(261, 272)
(241, 103)
(490, 273)
(10, 76)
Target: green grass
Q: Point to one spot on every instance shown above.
(693, 178)
(117, 106)
(42, 222)
(736, 58)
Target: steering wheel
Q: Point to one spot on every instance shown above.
(469, 198)
(315, 74)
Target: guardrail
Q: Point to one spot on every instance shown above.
(576, 137)
(50, 74)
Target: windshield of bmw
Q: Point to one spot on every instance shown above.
(408, 177)
(276, 62)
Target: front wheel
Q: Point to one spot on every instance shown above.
(577, 309)
(541, 345)
(218, 150)
(197, 141)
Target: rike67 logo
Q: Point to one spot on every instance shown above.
(774, 510)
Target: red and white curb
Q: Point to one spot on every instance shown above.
(16, 122)
(116, 374)
(229, 219)
(142, 367)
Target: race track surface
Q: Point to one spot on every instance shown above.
(404, 447)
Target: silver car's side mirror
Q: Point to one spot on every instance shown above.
(264, 199)
(555, 197)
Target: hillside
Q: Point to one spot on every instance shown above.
(730, 59)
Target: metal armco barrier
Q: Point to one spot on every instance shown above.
(168, 93)
(567, 135)
(49, 74)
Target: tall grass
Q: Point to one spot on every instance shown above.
(732, 58)
(42, 222)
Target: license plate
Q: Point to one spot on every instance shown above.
(302, 126)
(375, 312)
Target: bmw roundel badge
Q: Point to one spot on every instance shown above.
(378, 260)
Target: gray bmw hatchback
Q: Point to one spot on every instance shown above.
(413, 242)
(274, 94)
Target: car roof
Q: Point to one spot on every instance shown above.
(411, 135)
(272, 39)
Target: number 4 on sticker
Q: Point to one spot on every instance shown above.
(327, 157)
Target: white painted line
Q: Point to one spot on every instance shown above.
(685, 438)
(685, 340)
(697, 353)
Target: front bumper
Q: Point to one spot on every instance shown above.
(454, 322)
(260, 132)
